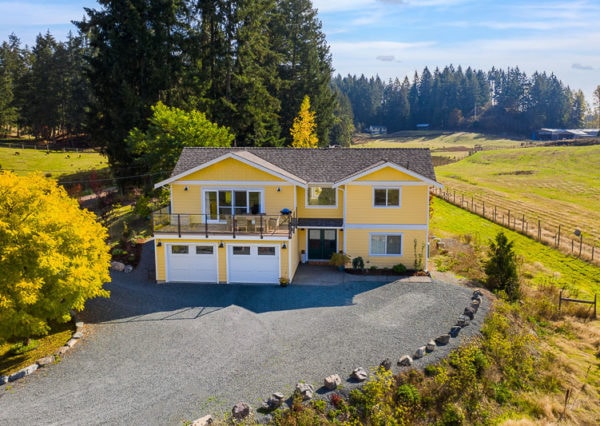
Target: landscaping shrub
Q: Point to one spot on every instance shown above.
(501, 268)
(399, 268)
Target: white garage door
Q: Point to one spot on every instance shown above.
(257, 264)
(192, 263)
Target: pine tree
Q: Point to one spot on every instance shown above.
(501, 267)
(303, 129)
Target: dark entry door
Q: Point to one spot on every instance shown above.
(322, 243)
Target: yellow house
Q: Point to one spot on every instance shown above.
(252, 215)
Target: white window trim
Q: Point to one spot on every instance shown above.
(261, 191)
(387, 188)
(371, 234)
(330, 206)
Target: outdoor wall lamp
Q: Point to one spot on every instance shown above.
(186, 188)
(159, 244)
(221, 245)
(278, 189)
(284, 246)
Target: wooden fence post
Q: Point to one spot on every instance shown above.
(558, 237)
(539, 230)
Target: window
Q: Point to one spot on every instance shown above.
(319, 196)
(204, 249)
(266, 251)
(386, 244)
(386, 197)
(180, 249)
(231, 202)
(241, 250)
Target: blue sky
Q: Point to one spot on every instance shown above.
(395, 38)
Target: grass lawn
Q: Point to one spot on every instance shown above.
(543, 264)
(54, 164)
(60, 334)
(558, 185)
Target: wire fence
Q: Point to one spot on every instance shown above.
(567, 241)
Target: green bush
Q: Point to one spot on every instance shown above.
(408, 394)
(501, 268)
(399, 268)
(358, 263)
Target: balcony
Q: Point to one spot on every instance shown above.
(261, 225)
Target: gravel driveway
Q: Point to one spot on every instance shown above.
(164, 354)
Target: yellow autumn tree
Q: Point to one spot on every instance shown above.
(53, 256)
(303, 129)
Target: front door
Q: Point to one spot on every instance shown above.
(322, 243)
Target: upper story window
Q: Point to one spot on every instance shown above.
(221, 203)
(386, 197)
(321, 196)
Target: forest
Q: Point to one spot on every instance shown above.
(247, 65)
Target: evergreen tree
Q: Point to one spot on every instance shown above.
(303, 129)
(12, 69)
(343, 125)
(139, 49)
(501, 267)
(304, 65)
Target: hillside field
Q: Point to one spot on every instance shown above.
(54, 164)
(449, 145)
(557, 185)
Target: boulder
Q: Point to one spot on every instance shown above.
(405, 361)
(45, 361)
(117, 266)
(77, 335)
(240, 411)
(442, 340)
(430, 347)
(332, 382)
(274, 401)
(3, 380)
(475, 305)
(386, 364)
(203, 421)
(454, 331)
(462, 321)
(128, 269)
(477, 294)
(469, 312)
(360, 374)
(23, 372)
(419, 353)
(305, 390)
(62, 350)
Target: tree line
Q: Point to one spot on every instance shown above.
(496, 101)
(246, 64)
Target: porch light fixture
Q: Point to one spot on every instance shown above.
(221, 245)
(284, 246)
(159, 244)
(278, 189)
(186, 188)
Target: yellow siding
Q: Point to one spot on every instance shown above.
(275, 201)
(232, 170)
(161, 273)
(358, 243)
(188, 202)
(412, 210)
(320, 212)
(387, 174)
(294, 255)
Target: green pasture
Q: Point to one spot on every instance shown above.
(454, 145)
(544, 264)
(558, 185)
(52, 164)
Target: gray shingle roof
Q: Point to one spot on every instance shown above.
(318, 165)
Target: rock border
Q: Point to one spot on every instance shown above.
(359, 374)
(50, 359)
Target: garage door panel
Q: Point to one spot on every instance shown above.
(253, 264)
(192, 263)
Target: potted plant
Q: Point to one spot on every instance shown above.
(339, 260)
(284, 281)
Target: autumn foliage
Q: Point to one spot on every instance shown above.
(304, 129)
(53, 256)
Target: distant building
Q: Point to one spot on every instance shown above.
(546, 134)
(377, 130)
